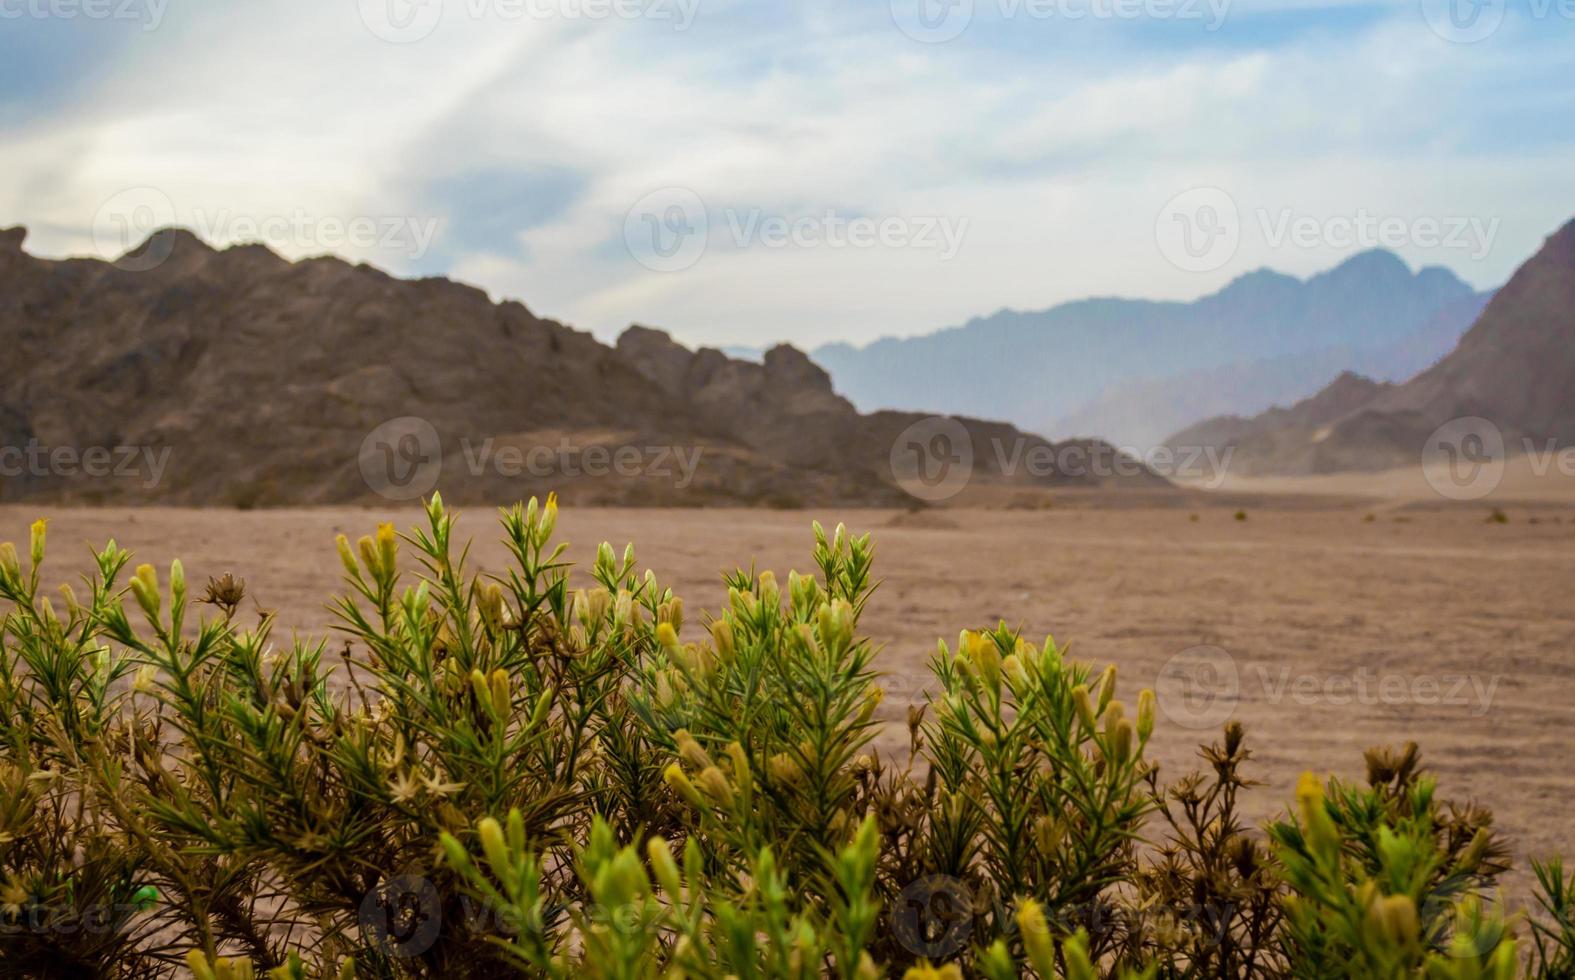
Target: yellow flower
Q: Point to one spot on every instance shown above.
(403, 788)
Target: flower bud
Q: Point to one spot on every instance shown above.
(741, 772)
(672, 611)
(722, 638)
(453, 851)
(369, 555)
(983, 654)
(1036, 937)
(1120, 741)
(1394, 917)
(1078, 964)
(479, 687)
(1083, 702)
(660, 854)
(1145, 714)
(674, 777)
(690, 750)
(492, 606)
(495, 848)
(1113, 714)
(716, 786)
(549, 516)
(1016, 673)
(177, 582)
(835, 619)
(387, 548)
(1321, 832)
(36, 541)
(145, 586)
(9, 564)
(1107, 687)
(872, 700)
(542, 709)
(502, 700)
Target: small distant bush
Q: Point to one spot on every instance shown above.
(1498, 517)
(1241, 515)
(499, 775)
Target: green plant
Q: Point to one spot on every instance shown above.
(1553, 930)
(501, 774)
(1387, 882)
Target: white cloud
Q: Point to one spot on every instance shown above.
(1059, 161)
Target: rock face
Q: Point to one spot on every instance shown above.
(1515, 367)
(235, 377)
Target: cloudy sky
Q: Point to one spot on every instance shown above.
(747, 172)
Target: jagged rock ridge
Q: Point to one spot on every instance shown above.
(260, 381)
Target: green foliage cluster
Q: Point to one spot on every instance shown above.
(501, 775)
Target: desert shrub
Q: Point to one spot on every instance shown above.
(499, 775)
(1387, 881)
(1553, 923)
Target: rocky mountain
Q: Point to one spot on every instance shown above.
(1515, 368)
(1133, 370)
(183, 374)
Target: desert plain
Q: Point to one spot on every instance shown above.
(1325, 623)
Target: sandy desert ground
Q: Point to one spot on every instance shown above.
(1326, 625)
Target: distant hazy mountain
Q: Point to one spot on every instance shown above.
(1515, 368)
(1142, 413)
(1066, 370)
